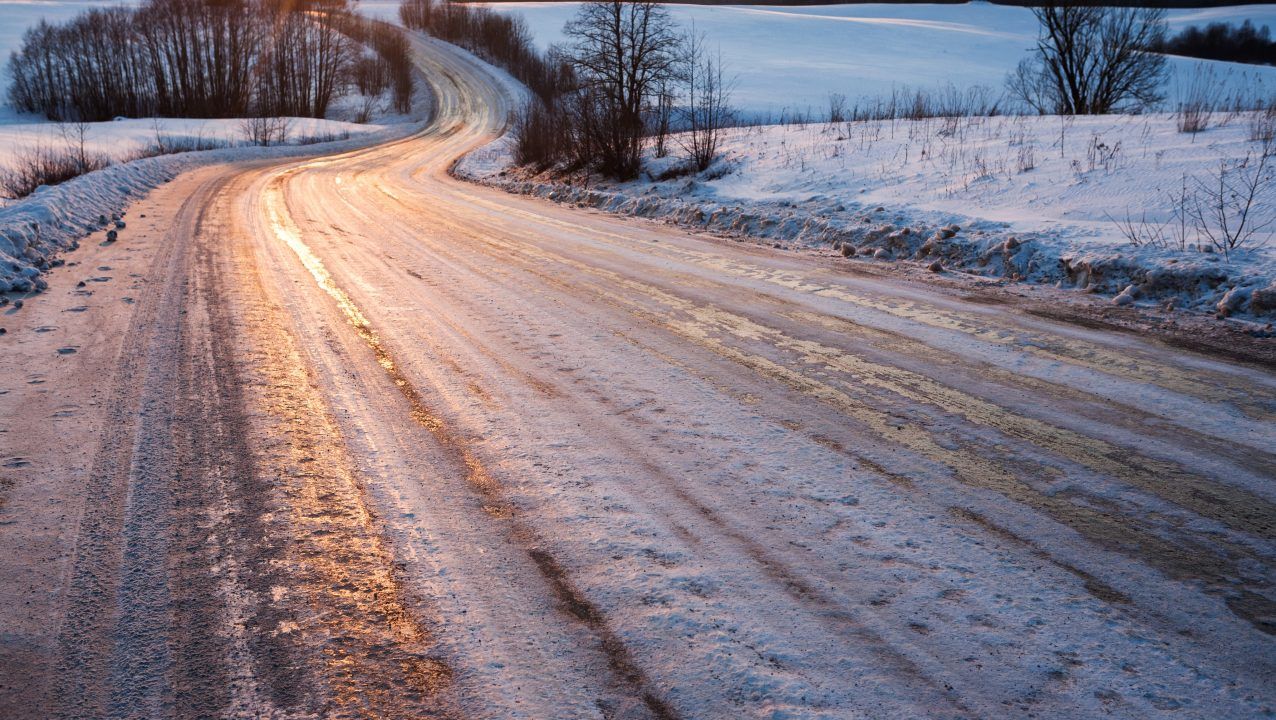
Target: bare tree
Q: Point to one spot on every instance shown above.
(76, 136)
(1092, 60)
(708, 103)
(264, 130)
(1235, 206)
(661, 116)
(621, 52)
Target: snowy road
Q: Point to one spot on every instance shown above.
(346, 437)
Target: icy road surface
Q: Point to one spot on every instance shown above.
(345, 437)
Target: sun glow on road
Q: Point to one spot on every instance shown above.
(281, 224)
(287, 231)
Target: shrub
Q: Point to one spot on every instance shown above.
(1199, 101)
(1262, 124)
(42, 166)
(541, 135)
(1235, 206)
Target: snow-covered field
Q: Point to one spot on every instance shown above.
(126, 138)
(1062, 189)
(791, 58)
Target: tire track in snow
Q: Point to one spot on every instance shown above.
(1235, 387)
(1229, 505)
(622, 664)
(344, 599)
(888, 648)
(1180, 558)
(136, 559)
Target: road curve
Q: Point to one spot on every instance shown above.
(348, 437)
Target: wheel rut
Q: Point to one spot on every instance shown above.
(628, 675)
(226, 563)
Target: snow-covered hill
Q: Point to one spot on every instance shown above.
(791, 58)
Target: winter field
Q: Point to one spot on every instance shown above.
(788, 59)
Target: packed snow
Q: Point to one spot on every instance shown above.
(1041, 199)
(789, 59)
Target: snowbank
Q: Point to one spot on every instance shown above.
(34, 230)
(1037, 199)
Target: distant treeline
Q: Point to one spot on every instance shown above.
(199, 58)
(1219, 41)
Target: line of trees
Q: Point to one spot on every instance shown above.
(1242, 43)
(636, 78)
(626, 77)
(198, 58)
(389, 66)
